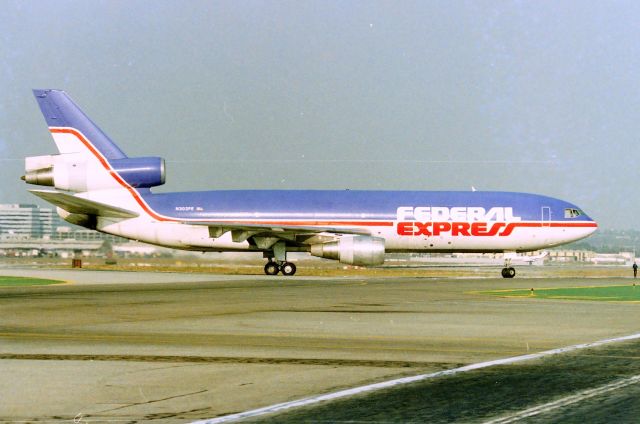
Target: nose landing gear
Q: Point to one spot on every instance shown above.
(508, 271)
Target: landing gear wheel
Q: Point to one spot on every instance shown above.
(288, 268)
(271, 268)
(508, 272)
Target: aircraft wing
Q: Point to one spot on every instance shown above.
(79, 205)
(240, 230)
(266, 234)
(231, 225)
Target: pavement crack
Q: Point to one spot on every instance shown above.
(129, 405)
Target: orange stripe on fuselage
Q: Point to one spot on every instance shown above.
(109, 169)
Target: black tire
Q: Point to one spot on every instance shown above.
(271, 268)
(511, 271)
(505, 273)
(288, 269)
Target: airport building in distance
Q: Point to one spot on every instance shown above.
(29, 230)
(29, 221)
(25, 220)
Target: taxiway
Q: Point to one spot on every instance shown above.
(168, 347)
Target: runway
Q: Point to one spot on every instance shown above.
(551, 386)
(167, 347)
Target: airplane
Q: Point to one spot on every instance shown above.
(97, 186)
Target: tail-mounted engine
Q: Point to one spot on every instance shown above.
(145, 172)
(352, 250)
(77, 172)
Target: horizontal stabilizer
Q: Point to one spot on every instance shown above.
(73, 204)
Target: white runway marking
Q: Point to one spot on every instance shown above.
(566, 401)
(400, 381)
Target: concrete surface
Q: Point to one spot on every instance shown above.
(112, 346)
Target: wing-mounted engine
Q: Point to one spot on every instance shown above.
(352, 250)
(79, 172)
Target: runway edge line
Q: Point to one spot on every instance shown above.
(280, 407)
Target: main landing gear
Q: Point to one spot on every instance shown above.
(277, 261)
(273, 268)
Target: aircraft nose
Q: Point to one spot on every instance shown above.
(590, 227)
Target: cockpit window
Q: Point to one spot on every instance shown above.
(572, 213)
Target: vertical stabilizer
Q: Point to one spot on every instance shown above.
(72, 130)
(88, 159)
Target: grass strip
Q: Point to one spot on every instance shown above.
(7, 281)
(625, 293)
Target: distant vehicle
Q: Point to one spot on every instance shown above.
(99, 187)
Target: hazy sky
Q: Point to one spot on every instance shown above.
(536, 96)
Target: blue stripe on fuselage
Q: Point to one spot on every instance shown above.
(345, 204)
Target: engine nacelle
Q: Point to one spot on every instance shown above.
(76, 172)
(352, 250)
(143, 172)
